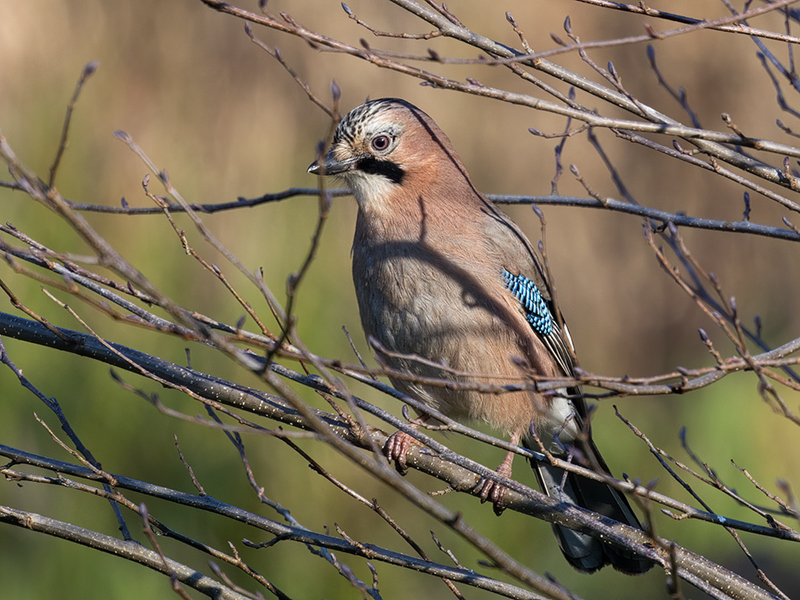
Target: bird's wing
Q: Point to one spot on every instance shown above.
(524, 278)
(539, 314)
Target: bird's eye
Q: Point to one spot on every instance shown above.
(380, 143)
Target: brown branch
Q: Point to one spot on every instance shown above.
(129, 550)
(87, 72)
(280, 531)
(735, 27)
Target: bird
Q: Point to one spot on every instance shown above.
(449, 288)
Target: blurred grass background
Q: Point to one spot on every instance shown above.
(225, 120)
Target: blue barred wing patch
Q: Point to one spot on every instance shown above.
(536, 311)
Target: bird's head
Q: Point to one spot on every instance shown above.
(387, 146)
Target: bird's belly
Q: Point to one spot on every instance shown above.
(429, 328)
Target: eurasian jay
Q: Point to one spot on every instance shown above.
(449, 288)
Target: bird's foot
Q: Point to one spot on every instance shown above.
(396, 450)
(493, 492)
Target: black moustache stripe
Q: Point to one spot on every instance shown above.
(391, 170)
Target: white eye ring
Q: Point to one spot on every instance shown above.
(381, 143)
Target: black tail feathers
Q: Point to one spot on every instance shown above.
(584, 552)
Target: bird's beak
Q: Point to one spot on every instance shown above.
(331, 165)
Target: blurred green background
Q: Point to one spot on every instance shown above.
(225, 120)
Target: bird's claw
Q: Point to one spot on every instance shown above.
(493, 492)
(396, 450)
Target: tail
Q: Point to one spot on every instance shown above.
(584, 552)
